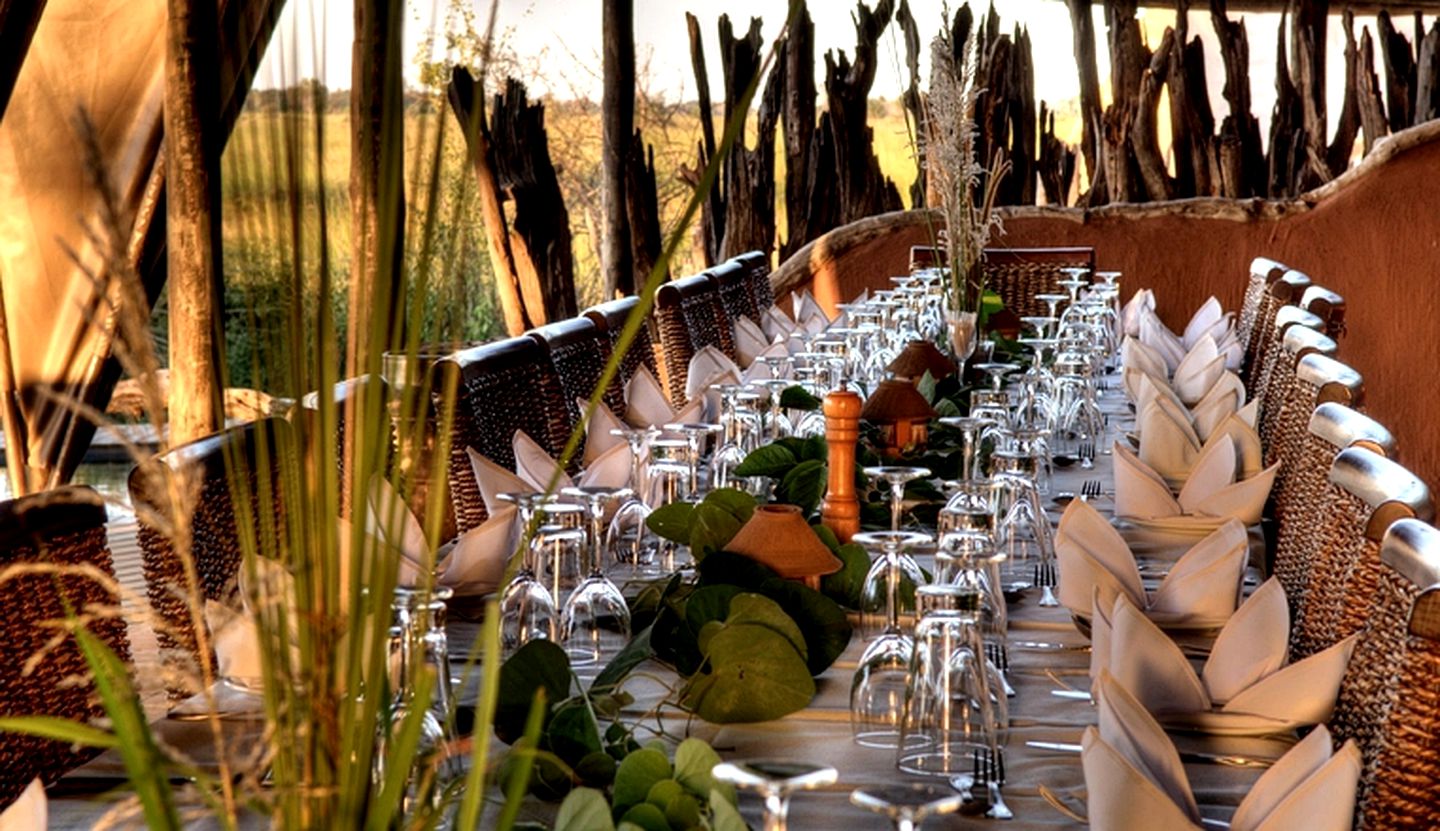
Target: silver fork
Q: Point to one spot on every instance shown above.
(1045, 579)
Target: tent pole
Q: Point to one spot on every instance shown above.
(10, 419)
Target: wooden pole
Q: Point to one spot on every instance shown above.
(10, 418)
(192, 217)
(617, 108)
(1083, 26)
(840, 511)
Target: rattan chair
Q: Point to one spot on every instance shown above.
(757, 273)
(1302, 495)
(1390, 701)
(245, 471)
(579, 350)
(1367, 494)
(1328, 306)
(732, 279)
(417, 431)
(1284, 290)
(1295, 344)
(610, 318)
(347, 395)
(500, 387)
(690, 316)
(1263, 272)
(1018, 274)
(64, 527)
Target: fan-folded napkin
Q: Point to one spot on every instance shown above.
(1211, 489)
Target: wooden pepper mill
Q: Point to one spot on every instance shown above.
(840, 512)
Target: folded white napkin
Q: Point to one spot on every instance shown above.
(776, 324)
(1136, 354)
(1135, 779)
(1224, 398)
(1232, 349)
(473, 564)
(647, 406)
(759, 370)
(1096, 566)
(1211, 490)
(808, 312)
(1198, 371)
(1171, 444)
(709, 366)
(29, 812)
(1130, 314)
(1155, 334)
(750, 340)
(537, 468)
(1246, 673)
(598, 437)
(493, 480)
(1210, 319)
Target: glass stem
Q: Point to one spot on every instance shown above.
(892, 590)
(777, 807)
(897, 498)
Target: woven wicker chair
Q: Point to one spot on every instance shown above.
(579, 350)
(690, 316)
(347, 396)
(248, 470)
(1018, 274)
(1367, 494)
(1302, 494)
(1283, 291)
(757, 272)
(66, 527)
(610, 318)
(1328, 306)
(1263, 272)
(500, 388)
(417, 431)
(1296, 343)
(1390, 702)
(736, 291)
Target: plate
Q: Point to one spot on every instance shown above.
(1221, 723)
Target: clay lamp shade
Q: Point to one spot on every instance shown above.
(918, 358)
(779, 538)
(902, 414)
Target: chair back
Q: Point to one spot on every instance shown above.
(408, 377)
(1018, 274)
(610, 318)
(690, 315)
(500, 387)
(210, 489)
(1262, 343)
(757, 273)
(1294, 342)
(1388, 700)
(1368, 493)
(1329, 306)
(732, 280)
(1263, 272)
(579, 350)
(348, 396)
(64, 527)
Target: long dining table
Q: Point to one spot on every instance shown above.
(1047, 654)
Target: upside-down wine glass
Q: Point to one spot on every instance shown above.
(896, 476)
(907, 805)
(775, 781)
(877, 689)
(595, 621)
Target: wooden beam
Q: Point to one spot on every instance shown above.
(712, 214)
(617, 116)
(863, 189)
(1082, 25)
(1372, 105)
(797, 123)
(1400, 78)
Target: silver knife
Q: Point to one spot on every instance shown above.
(1185, 755)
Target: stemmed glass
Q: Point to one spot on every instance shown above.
(878, 687)
(775, 780)
(997, 373)
(1024, 529)
(1052, 300)
(695, 434)
(780, 426)
(907, 805)
(631, 542)
(897, 476)
(595, 622)
(969, 427)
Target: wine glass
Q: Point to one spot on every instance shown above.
(969, 427)
(877, 689)
(775, 780)
(559, 548)
(527, 608)
(897, 476)
(780, 426)
(907, 805)
(695, 434)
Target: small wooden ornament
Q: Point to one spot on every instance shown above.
(902, 414)
(918, 358)
(778, 537)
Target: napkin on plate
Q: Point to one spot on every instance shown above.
(1097, 566)
(1225, 397)
(750, 340)
(1135, 779)
(29, 812)
(1245, 681)
(536, 467)
(647, 406)
(776, 324)
(1198, 371)
(759, 370)
(1130, 314)
(1232, 349)
(1157, 336)
(708, 367)
(1210, 319)
(808, 312)
(1211, 492)
(473, 564)
(598, 438)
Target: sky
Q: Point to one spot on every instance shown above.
(558, 43)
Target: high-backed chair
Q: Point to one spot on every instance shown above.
(732, 279)
(1295, 344)
(1329, 306)
(757, 272)
(1263, 272)
(1390, 701)
(1018, 274)
(1368, 493)
(63, 527)
(214, 485)
(690, 316)
(1283, 291)
(500, 387)
(610, 318)
(347, 396)
(408, 376)
(579, 350)
(1302, 496)
(1262, 374)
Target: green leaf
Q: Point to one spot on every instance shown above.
(729, 568)
(663, 791)
(635, 653)
(760, 610)
(990, 303)
(711, 529)
(683, 811)
(672, 521)
(755, 675)
(826, 536)
(771, 460)
(799, 398)
(804, 485)
(59, 729)
(738, 503)
(694, 759)
(637, 774)
(813, 447)
(946, 407)
(724, 816)
(597, 769)
(821, 622)
(539, 664)
(926, 387)
(572, 733)
(844, 585)
(584, 809)
(646, 817)
(709, 603)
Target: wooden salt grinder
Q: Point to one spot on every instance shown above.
(840, 512)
